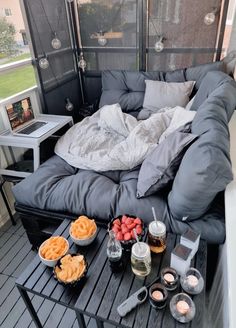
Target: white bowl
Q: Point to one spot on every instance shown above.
(52, 263)
(86, 241)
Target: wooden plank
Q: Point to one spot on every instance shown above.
(44, 312)
(91, 255)
(8, 245)
(94, 273)
(13, 253)
(4, 238)
(68, 319)
(6, 289)
(25, 320)
(99, 290)
(122, 294)
(3, 279)
(8, 304)
(55, 316)
(24, 264)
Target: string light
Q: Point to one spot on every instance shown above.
(159, 45)
(69, 106)
(44, 63)
(82, 62)
(102, 41)
(56, 43)
(209, 18)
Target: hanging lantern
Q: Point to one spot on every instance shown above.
(44, 63)
(102, 41)
(69, 106)
(56, 43)
(82, 62)
(159, 45)
(210, 17)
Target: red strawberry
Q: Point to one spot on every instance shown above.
(119, 236)
(127, 236)
(124, 218)
(129, 221)
(138, 221)
(123, 225)
(115, 228)
(131, 226)
(117, 221)
(124, 230)
(139, 229)
(132, 234)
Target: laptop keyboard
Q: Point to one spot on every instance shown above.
(33, 127)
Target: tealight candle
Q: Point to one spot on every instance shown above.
(158, 296)
(169, 278)
(182, 307)
(192, 280)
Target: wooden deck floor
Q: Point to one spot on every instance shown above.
(15, 255)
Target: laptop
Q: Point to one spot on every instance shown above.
(23, 122)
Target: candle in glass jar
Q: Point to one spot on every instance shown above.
(182, 307)
(192, 280)
(169, 277)
(157, 295)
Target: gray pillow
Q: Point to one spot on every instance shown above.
(160, 167)
(160, 94)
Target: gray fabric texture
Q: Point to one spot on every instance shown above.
(159, 94)
(159, 168)
(57, 186)
(205, 169)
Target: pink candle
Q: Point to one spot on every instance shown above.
(182, 307)
(157, 295)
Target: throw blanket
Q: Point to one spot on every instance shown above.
(113, 140)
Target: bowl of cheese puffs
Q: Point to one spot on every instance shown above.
(83, 231)
(52, 249)
(71, 269)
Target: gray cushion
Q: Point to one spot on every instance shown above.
(160, 167)
(127, 88)
(205, 169)
(159, 94)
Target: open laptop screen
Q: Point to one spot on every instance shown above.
(19, 113)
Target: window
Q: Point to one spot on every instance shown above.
(8, 12)
(17, 77)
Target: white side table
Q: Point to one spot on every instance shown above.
(8, 139)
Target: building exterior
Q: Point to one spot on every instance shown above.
(10, 9)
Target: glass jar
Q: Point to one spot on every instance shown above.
(141, 259)
(157, 236)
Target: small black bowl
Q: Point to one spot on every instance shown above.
(75, 283)
(127, 244)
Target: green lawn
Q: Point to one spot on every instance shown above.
(15, 81)
(20, 57)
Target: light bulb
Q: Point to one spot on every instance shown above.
(209, 18)
(102, 41)
(69, 105)
(159, 46)
(82, 63)
(43, 63)
(56, 43)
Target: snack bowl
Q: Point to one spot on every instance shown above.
(80, 240)
(127, 244)
(52, 262)
(70, 281)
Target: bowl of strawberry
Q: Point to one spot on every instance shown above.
(123, 227)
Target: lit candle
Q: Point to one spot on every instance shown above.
(192, 280)
(157, 295)
(169, 278)
(182, 307)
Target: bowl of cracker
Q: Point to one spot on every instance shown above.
(52, 249)
(83, 231)
(71, 269)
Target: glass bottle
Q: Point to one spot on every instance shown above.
(114, 252)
